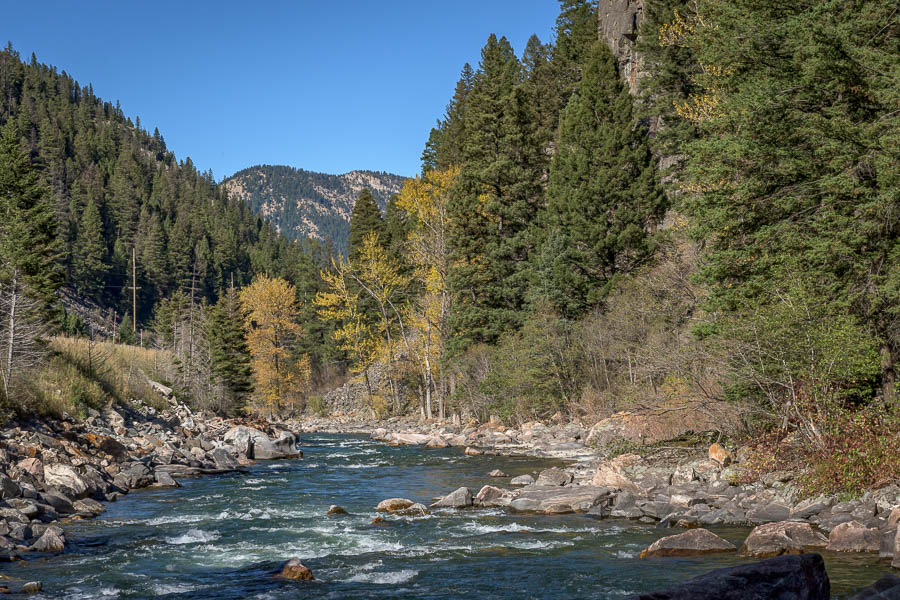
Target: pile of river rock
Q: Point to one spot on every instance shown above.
(55, 470)
(693, 493)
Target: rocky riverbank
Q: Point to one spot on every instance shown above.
(53, 471)
(684, 488)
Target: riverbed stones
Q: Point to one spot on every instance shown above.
(51, 541)
(690, 543)
(522, 480)
(164, 480)
(393, 504)
(334, 509)
(67, 479)
(853, 536)
(459, 498)
(497, 473)
(795, 577)
(785, 537)
(769, 513)
(558, 500)
(470, 451)
(296, 570)
(489, 495)
(554, 477)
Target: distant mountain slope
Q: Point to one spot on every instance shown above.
(304, 203)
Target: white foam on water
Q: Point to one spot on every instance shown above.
(624, 554)
(194, 536)
(104, 592)
(173, 519)
(253, 487)
(392, 577)
(161, 589)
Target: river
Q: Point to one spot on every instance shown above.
(223, 537)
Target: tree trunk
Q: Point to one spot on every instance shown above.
(888, 376)
(14, 296)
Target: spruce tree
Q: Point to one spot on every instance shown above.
(603, 196)
(29, 248)
(365, 219)
(494, 206)
(228, 351)
(89, 256)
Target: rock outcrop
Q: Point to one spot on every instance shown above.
(795, 577)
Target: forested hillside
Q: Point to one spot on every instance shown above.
(304, 204)
(94, 203)
(705, 226)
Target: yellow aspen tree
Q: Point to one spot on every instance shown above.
(426, 199)
(341, 304)
(379, 276)
(270, 306)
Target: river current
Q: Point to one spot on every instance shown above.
(223, 537)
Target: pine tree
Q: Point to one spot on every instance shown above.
(494, 206)
(796, 170)
(603, 197)
(89, 256)
(228, 350)
(366, 218)
(29, 255)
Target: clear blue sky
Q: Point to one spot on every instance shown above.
(325, 86)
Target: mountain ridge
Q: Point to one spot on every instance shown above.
(301, 203)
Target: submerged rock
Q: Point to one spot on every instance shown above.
(689, 543)
(522, 480)
(294, 569)
(393, 505)
(334, 509)
(497, 473)
(791, 577)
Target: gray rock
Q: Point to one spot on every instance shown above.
(769, 513)
(460, 498)
(853, 536)
(497, 473)
(690, 543)
(786, 537)
(9, 488)
(488, 494)
(134, 476)
(164, 479)
(87, 505)
(554, 477)
(522, 480)
(223, 459)
(60, 503)
(51, 541)
(557, 500)
(67, 479)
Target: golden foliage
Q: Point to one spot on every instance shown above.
(270, 305)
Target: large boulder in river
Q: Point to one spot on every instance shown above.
(393, 505)
(460, 498)
(522, 480)
(690, 543)
(793, 577)
(285, 446)
(853, 536)
(294, 569)
(785, 537)
(253, 443)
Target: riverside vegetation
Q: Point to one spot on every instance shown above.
(711, 246)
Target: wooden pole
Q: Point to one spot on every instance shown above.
(133, 291)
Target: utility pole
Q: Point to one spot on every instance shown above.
(134, 289)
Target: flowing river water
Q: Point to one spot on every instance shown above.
(223, 537)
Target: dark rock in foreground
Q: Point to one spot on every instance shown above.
(886, 588)
(790, 577)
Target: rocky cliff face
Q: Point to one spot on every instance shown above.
(620, 21)
(307, 204)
